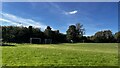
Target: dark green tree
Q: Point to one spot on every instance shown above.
(117, 37)
(80, 29)
(48, 32)
(104, 36)
(71, 33)
(18, 34)
(30, 31)
(80, 32)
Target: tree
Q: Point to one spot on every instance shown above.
(72, 33)
(80, 29)
(75, 33)
(103, 36)
(7, 33)
(18, 34)
(62, 38)
(117, 37)
(80, 32)
(30, 31)
(48, 32)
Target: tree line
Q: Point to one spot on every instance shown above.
(74, 34)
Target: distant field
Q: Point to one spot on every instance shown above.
(78, 54)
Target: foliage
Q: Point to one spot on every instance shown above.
(18, 34)
(74, 33)
(54, 35)
(80, 29)
(48, 32)
(104, 36)
(71, 33)
(117, 36)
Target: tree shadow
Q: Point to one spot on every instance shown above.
(7, 44)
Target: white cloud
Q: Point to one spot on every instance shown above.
(8, 21)
(62, 10)
(72, 12)
(15, 20)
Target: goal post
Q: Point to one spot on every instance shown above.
(35, 40)
(48, 41)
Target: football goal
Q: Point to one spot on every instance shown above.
(35, 40)
(48, 41)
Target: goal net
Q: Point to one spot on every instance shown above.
(35, 40)
(48, 41)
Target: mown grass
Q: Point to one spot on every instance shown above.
(78, 54)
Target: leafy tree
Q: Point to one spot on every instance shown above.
(75, 33)
(91, 38)
(80, 29)
(117, 36)
(48, 32)
(72, 33)
(104, 36)
(17, 34)
(55, 36)
(62, 38)
(7, 33)
(80, 32)
(30, 31)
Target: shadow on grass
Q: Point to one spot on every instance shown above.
(7, 45)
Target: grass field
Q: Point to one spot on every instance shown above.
(78, 54)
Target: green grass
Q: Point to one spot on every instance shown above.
(78, 54)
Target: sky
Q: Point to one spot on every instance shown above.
(94, 16)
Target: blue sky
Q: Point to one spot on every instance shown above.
(94, 16)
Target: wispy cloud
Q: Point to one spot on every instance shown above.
(8, 21)
(16, 20)
(71, 12)
(57, 7)
(62, 10)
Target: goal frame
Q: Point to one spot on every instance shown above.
(31, 39)
(48, 41)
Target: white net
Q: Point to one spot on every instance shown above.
(35, 40)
